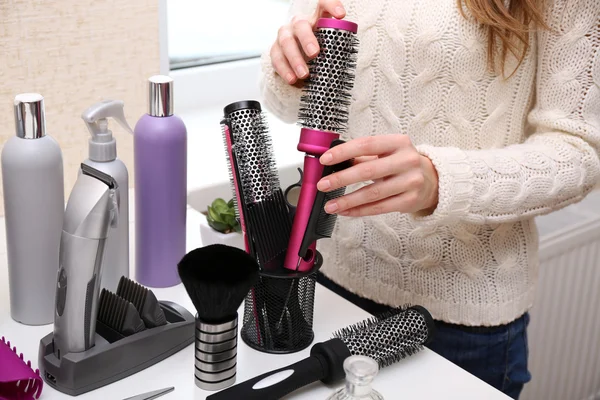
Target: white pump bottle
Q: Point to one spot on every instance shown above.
(103, 157)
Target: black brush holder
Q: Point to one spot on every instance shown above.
(279, 310)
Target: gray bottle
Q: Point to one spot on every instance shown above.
(33, 185)
(103, 157)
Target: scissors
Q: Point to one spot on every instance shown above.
(151, 395)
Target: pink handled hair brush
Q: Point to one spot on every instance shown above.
(17, 380)
(323, 116)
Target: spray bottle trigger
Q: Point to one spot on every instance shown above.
(96, 116)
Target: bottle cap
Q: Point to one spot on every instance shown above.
(360, 369)
(30, 116)
(160, 95)
(360, 372)
(102, 145)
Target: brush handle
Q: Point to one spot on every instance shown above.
(324, 364)
(314, 143)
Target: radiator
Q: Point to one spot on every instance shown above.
(564, 330)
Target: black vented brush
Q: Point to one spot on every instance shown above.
(217, 278)
(387, 339)
(259, 200)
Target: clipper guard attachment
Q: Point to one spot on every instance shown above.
(279, 310)
(17, 379)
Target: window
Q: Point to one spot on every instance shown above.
(203, 32)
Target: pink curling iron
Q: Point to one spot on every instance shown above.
(323, 116)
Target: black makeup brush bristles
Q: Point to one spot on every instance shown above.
(217, 278)
(326, 94)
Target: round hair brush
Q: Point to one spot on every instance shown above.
(386, 339)
(217, 278)
(323, 116)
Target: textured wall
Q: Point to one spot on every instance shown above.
(76, 53)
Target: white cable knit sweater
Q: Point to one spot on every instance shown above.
(505, 151)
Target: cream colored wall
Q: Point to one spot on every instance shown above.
(76, 53)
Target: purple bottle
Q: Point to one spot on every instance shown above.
(160, 154)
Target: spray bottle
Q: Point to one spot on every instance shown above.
(103, 157)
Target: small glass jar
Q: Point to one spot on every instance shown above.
(360, 372)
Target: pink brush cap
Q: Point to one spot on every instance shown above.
(334, 23)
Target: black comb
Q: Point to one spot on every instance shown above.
(119, 314)
(320, 223)
(144, 301)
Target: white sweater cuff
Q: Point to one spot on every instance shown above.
(455, 185)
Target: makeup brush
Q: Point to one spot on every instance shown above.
(217, 278)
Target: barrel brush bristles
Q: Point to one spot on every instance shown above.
(217, 278)
(327, 91)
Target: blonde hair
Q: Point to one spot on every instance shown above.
(508, 27)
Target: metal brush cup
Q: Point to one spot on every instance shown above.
(216, 354)
(279, 310)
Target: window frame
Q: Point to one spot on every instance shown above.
(210, 85)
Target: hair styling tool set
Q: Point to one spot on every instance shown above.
(100, 336)
(280, 234)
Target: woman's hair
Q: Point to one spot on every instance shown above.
(508, 27)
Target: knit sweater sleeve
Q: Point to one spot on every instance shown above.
(278, 96)
(558, 163)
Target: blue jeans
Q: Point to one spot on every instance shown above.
(496, 355)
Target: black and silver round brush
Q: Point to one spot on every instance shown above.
(217, 278)
(387, 339)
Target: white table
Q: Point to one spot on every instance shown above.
(422, 376)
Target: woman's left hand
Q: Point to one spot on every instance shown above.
(403, 180)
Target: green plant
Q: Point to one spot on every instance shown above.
(221, 216)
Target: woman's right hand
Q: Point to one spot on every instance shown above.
(296, 43)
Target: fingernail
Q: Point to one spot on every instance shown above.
(331, 207)
(323, 185)
(325, 158)
(312, 49)
(290, 77)
(301, 71)
(339, 10)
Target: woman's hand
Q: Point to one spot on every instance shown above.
(403, 179)
(297, 43)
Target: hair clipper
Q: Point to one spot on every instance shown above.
(91, 210)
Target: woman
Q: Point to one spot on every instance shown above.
(467, 121)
